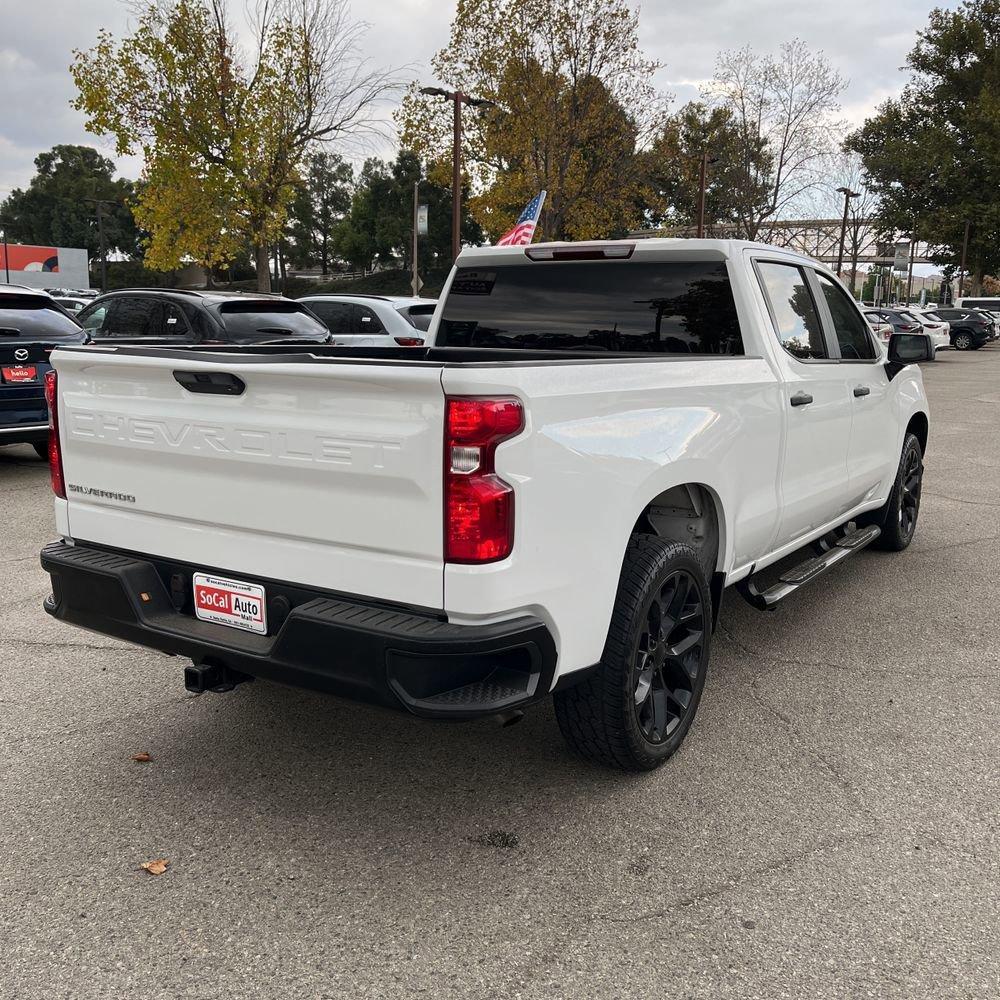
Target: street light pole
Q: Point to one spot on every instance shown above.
(702, 175)
(456, 178)
(965, 253)
(458, 99)
(415, 284)
(848, 195)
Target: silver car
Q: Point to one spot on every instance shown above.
(373, 320)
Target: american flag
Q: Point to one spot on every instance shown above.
(524, 229)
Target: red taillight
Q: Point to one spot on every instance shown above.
(478, 504)
(409, 341)
(55, 455)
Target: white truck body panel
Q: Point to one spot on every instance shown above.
(330, 476)
(329, 473)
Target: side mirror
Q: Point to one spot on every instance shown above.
(909, 348)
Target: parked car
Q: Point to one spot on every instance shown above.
(552, 498)
(373, 320)
(31, 324)
(881, 327)
(909, 321)
(71, 305)
(183, 317)
(938, 330)
(969, 329)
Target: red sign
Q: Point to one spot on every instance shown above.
(19, 373)
(17, 257)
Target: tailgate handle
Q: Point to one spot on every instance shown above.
(215, 383)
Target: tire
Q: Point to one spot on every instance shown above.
(634, 711)
(962, 341)
(41, 450)
(898, 518)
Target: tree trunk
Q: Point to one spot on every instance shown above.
(263, 263)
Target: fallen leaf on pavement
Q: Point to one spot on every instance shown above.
(157, 867)
(142, 757)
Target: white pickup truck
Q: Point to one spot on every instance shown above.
(551, 498)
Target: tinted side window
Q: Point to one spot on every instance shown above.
(336, 315)
(366, 321)
(667, 307)
(174, 323)
(795, 316)
(93, 317)
(851, 329)
(132, 317)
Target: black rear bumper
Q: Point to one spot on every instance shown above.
(396, 658)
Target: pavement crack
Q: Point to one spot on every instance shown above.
(971, 503)
(785, 864)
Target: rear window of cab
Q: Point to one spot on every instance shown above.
(632, 307)
(270, 321)
(34, 318)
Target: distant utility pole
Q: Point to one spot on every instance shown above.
(706, 160)
(848, 195)
(965, 253)
(100, 203)
(416, 283)
(6, 253)
(913, 254)
(458, 98)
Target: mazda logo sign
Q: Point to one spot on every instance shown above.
(21, 354)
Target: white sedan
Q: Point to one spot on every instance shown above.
(373, 320)
(936, 329)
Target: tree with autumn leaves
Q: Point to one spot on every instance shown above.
(573, 101)
(225, 134)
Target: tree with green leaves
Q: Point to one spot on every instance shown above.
(933, 154)
(226, 133)
(573, 102)
(317, 210)
(58, 206)
(379, 227)
(674, 168)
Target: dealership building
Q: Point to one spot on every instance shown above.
(43, 267)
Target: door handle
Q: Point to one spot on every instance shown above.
(861, 390)
(213, 383)
(801, 399)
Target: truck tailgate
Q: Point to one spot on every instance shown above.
(326, 474)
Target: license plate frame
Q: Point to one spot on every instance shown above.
(223, 600)
(19, 374)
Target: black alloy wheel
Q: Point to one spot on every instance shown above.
(668, 658)
(963, 341)
(634, 709)
(909, 493)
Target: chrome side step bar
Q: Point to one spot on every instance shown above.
(798, 576)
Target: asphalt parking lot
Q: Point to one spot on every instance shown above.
(829, 829)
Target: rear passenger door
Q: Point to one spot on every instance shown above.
(815, 482)
(872, 453)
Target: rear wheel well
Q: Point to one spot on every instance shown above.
(919, 427)
(686, 513)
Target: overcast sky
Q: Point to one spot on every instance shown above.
(866, 39)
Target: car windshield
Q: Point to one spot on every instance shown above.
(32, 318)
(419, 316)
(676, 307)
(258, 320)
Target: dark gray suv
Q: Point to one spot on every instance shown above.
(160, 316)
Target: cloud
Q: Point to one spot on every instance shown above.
(867, 42)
